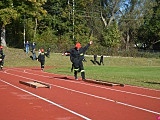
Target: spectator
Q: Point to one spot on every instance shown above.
(34, 54)
(33, 46)
(101, 60)
(27, 45)
(95, 59)
(48, 52)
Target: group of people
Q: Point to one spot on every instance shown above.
(41, 53)
(27, 46)
(100, 62)
(76, 57)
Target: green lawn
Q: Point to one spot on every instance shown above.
(134, 71)
(143, 72)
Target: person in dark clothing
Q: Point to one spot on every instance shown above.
(101, 60)
(2, 56)
(95, 59)
(41, 59)
(72, 67)
(34, 54)
(33, 46)
(76, 57)
(48, 52)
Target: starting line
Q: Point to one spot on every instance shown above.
(104, 83)
(35, 84)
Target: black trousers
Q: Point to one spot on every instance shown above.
(78, 67)
(42, 64)
(1, 64)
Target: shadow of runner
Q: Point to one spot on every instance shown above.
(152, 82)
(93, 62)
(65, 78)
(98, 63)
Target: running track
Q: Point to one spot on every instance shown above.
(69, 99)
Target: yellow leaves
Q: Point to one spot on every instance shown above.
(38, 1)
(7, 14)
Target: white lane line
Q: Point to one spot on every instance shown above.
(125, 85)
(117, 102)
(53, 103)
(143, 88)
(60, 74)
(132, 93)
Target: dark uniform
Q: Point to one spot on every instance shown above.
(101, 60)
(2, 56)
(95, 59)
(48, 52)
(77, 57)
(41, 58)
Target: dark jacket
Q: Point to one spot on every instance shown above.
(41, 57)
(2, 56)
(77, 55)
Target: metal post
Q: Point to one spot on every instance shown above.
(24, 31)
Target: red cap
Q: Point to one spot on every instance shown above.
(1, 47)
(78, 45)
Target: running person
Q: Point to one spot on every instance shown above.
(76, 57)
(41, 59)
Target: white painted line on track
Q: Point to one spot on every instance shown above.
(95, 96)
(97, 86)
(125, 85)
(117, 102)
(44, 99)
(143, 88)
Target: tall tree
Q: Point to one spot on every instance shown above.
(131, 19)
(35, 11)
(7, 14)
(105, 14)
(148, 33)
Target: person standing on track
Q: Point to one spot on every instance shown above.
(2, 56)
(76, 57)
(41, 59)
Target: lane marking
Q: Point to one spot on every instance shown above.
(111, 100)
(125, 85)
(44, 99)
(117, 102)
(132, 93)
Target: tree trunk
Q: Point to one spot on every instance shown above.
(127, 41)
(35, 29)
(3, 36)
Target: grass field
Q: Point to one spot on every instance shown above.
(144, 72)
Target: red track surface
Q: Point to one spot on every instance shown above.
(69, 99)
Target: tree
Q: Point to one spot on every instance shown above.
(7, 14)
(131, 19)
(149, 32)
(111, 36)
(35, 10)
